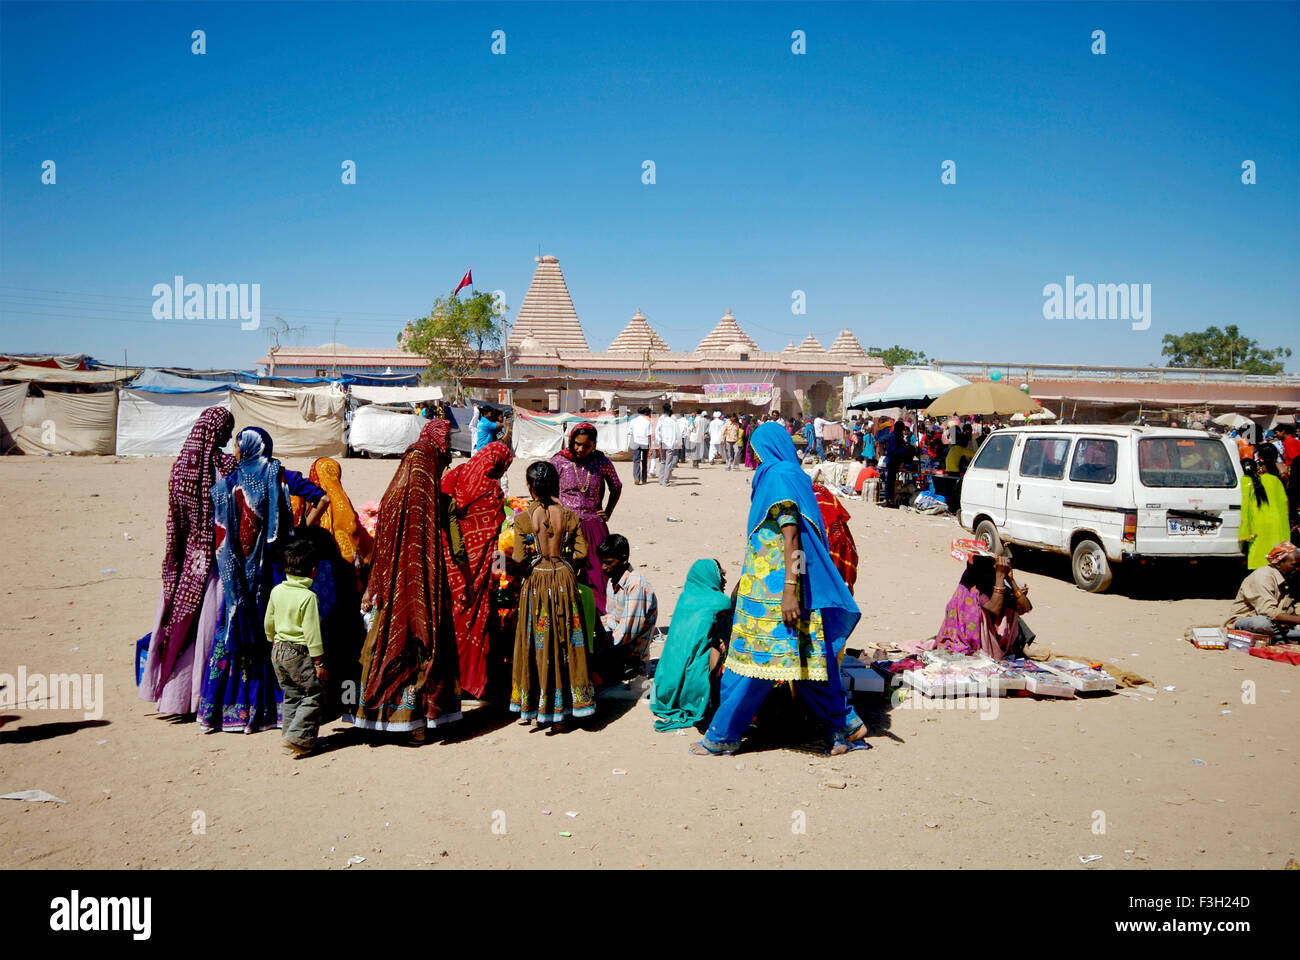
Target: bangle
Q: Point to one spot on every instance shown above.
(792, 583)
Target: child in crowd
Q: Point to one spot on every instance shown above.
(292, 624)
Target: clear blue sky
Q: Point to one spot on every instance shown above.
(775, 172)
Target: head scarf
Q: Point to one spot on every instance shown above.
(681, 689)
(249, 506)
(341, 518)
(1280, 553)
(780, 478)
(191, 534)
(567, 450)
(480, 477)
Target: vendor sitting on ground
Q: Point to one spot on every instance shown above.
(984, 613)
(631, 610)
(1266, 602)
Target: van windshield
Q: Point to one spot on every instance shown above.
(1185, 462)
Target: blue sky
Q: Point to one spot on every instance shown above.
(774, 172)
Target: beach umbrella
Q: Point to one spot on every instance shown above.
(987, 398)
(1233, 420)
(906, 388)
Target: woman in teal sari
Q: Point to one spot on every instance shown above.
(793, 611)
(701, 622)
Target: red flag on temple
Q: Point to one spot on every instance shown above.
(465, 281)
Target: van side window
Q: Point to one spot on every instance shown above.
(1094, 461)
(1044, 457)
(995, 454)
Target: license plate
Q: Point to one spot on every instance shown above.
(1191, 528)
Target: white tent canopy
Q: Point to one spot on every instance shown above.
(383, 432)
(156, 424)
(396, 394)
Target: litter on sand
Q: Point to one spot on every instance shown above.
(33, 796)
(565, 833)
(1199, 763)
(1090, 859)
(619, 772)
(354, 860)
(109, 570)
(570, 813)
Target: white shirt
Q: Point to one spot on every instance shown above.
(715, 431)
(641, 430)
(669, 433)
(819, 427)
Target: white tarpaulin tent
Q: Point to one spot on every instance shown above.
(396, 394)
(383, 432)
(157, 411)
(538, 437)
(156, 424)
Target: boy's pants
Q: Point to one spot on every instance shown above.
(304, 695)
(640, 462)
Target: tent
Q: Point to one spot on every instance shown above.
(382, 432)
(303, 423)
(540, 436)
(54, 418)
(156, 412)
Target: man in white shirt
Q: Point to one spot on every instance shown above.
(684, 431)
(670, 441)
(716, 426)
(699, 437)
(641, 433)
(819, 431)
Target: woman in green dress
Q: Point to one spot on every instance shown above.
(793, 611)
(1264, 509)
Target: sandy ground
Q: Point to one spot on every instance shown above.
(1041, 784)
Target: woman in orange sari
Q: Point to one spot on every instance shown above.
(340, 519)
(475, 488)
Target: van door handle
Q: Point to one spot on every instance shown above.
(1001, 485)
(1017, 491)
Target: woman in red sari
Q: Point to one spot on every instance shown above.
(409, 663)
(475, 489)
(839, 540)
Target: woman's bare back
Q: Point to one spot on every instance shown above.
(548, 529)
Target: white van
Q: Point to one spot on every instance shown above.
(1105, 494)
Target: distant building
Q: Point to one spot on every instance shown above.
(547, 341)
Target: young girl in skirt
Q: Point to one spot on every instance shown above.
(550, 680)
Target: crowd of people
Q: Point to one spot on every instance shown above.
(280, 609)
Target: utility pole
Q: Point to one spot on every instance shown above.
(505, 356)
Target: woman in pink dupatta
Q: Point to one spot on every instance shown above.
(191, 602)
(983, 615)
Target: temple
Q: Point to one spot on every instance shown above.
(547, 344)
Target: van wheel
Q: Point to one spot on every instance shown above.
(1090, 567)
(986, 531)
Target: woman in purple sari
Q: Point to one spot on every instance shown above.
(746, 432)
(191, 603)
(585, 475)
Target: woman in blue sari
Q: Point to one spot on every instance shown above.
(254, 519)
(793, 611)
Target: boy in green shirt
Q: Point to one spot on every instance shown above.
(292, 625)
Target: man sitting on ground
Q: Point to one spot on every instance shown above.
(631, 609)
(1266, 602)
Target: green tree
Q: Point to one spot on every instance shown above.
(456, 337)
(1222, 349)
(897, 356)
